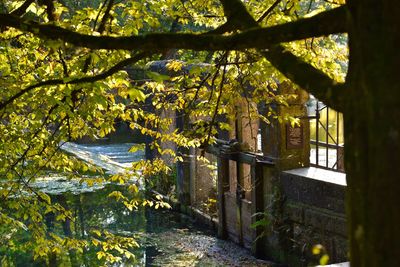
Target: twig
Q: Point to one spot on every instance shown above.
(268, 11)
(22, 8)
(221, 87)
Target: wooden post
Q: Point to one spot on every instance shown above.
(193, 175)
(257, 206)
(183, 177)
(183, 168)
(223, 186)
(239, 197)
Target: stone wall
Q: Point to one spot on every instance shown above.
(310, 211)
(302, 207)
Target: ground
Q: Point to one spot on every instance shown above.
(187, 245)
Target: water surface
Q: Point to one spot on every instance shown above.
(165, 238)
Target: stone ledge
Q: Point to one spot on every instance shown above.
(315, 187)
(319, 174)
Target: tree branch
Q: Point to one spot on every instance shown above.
(297, 70)
(89, 79)
(319, 84)
(22, 8)
(106, 15)
(236, 14)
(100, 29)
(50, 10)
(268, 11)
(328, 22)
(306, 76)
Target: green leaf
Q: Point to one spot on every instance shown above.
(45, 197)
(262, 222)
(157, 77)
(137, 147)
(137, 94)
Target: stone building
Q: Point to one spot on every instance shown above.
(267, 196)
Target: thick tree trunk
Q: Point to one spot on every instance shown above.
(372, 133)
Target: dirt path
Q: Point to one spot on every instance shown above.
(186, 245)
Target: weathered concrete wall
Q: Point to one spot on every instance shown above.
(308, 210)
(316, 212)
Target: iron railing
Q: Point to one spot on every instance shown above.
(326, 140)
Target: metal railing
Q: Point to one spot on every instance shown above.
(326, 140)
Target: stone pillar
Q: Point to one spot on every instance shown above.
(290, 146)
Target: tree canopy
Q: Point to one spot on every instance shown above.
(64, 75)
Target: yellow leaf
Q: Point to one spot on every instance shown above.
(100, 255)
(166, 205)
(174, 65)
(316, 250)
(324, 260)
(97, 232)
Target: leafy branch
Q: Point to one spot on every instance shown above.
(300, 72)
(329, 22)
(88, 79)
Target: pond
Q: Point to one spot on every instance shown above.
(165, 237)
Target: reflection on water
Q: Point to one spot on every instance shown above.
(165, 238)
(90, 209)
(95, 211)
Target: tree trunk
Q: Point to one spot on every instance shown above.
(372, 133)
